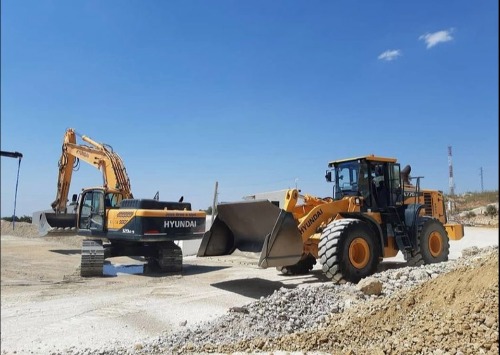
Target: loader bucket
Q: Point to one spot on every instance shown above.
(254, 226)
(60, 223)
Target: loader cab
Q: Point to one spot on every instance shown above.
(377, 181)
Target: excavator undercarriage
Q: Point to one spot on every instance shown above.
(161, 257)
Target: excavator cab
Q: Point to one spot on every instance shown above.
(91, 214)
(94, 206)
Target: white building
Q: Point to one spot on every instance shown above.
(276, 197)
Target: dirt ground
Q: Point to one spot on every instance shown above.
(46, 306)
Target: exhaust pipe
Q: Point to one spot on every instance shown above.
(254, 226)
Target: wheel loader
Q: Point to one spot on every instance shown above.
(112, 220)
(376, 211)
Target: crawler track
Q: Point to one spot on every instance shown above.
(92, 258)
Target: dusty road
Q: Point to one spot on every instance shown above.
(46, 306)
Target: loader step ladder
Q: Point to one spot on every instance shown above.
(401, 235)
(402, 240)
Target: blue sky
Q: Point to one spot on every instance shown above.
(257, 95)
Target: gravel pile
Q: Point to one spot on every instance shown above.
(446, 308)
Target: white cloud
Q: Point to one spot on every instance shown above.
(431, 39)
(390, 54)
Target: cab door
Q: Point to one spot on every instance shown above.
(395, 187)
(92, 216)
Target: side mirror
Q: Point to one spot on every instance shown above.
(328, 176)
(74, 198)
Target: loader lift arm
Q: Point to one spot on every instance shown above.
(99, 155)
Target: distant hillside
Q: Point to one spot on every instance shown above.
(474, 208)
(471, 200)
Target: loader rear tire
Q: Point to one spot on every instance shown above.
(301, 268)
(433, 244)
(348, 251)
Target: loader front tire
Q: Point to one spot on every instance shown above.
(432, 243)
(348, 251)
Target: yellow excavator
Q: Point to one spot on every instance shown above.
(375, 212)
(115, 180)
(112, 220)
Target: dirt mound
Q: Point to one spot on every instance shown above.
(19, 229)
(454, 313)
(28, 230)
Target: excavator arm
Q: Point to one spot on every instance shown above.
(101, 156)
(66, 163)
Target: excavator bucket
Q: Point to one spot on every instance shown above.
(60, 223)
(254, 226)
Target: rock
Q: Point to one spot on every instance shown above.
(239, 310)
(470, 251)
(370, 286)
(489, 321)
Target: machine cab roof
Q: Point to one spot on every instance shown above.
(366, 157)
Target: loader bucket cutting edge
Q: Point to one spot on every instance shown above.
(57, 223)
(254, 226)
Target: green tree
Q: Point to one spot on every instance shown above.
(491, 210)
